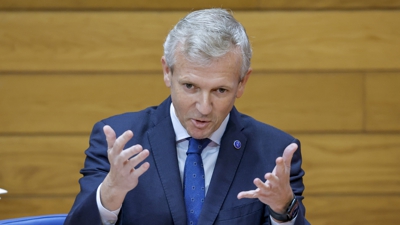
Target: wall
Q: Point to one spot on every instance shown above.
(327, 72)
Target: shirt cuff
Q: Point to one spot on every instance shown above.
(273, 222)
(107, 217)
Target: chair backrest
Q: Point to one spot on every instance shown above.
(52, 219)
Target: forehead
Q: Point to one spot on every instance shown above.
(226, 67)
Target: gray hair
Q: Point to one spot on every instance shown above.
(205, 35)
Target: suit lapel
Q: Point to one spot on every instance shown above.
(225, 169)
(163, 149)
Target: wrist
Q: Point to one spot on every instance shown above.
(110, 198)
(289, 213)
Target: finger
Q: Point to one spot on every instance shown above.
(142, 169)
(129, 163)
(121, 141)
(283, 163)
(248, 194)
(288, 154)
(272, 180)
(130, 152)
(110, 136)
(261, 185)
(133, 162)
(279, 169)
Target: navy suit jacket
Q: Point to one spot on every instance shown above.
(158, 198)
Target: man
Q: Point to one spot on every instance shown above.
(137, 166)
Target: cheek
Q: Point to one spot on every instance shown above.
(223, 106)
(182, 103)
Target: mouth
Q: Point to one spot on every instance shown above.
(200, 123)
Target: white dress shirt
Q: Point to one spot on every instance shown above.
(209, 157)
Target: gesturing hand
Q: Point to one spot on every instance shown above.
(275, 191)
(123, 175)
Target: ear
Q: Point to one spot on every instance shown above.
(166, 71)
(242, 84)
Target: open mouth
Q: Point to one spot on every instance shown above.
(200, 123)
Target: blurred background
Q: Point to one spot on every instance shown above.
(326, 71)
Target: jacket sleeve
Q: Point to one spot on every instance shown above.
(84, 210)
(296, 181)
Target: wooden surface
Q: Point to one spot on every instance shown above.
(352, 210)
(328, 4)
(383, 102)
(196, 4)
(72, 103)
(132, 41)
(42, 165)
(342, 172)
(334, 164)
(21, 206)
(351, 164)
(322, 210)
(126, 4)
(324, 102)
(331, 77)
(307, 102)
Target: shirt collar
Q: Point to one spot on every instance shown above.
(181, 133)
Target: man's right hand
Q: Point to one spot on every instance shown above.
(123, 175)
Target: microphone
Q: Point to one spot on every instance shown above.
(2, 191)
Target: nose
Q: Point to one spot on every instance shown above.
(204, 104)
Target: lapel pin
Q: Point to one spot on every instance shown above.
(237, 144)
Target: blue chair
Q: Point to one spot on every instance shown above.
(52, 219)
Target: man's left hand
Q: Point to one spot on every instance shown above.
(275, 191)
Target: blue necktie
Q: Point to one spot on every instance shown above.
(194, 182)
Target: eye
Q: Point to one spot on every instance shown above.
(188, 86)
(221, 90)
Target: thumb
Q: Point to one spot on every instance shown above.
(288, 153)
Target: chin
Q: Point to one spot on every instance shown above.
(199, 135)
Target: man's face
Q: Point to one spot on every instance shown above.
(203, 96)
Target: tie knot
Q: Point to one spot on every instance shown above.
(196, 146)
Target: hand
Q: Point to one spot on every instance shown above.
(123, 175)
(275, 191)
